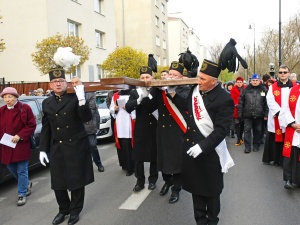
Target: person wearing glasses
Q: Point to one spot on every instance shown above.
(65, 140)
(253, 109)
(277, 99)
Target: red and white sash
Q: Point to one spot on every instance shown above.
(175, 113)
(206, 127)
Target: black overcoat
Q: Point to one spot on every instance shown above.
(64, 138)
(144, 147)
(202, 175)
(169, 135)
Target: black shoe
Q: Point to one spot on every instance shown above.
(59, 218)
(151, 186)
(247, 150)
(174, 197)
(275, 164)
(129, 173)
(101, 168)
(164, 189)
(255, 149)
(137, 188)
(288, 185)
(73, 219)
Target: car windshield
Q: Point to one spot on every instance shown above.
(100, 100)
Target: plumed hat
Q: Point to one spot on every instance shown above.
(190, 62)
(152, 64)
(179, 67)
(64, 59)
(210, 68)
(145, 70)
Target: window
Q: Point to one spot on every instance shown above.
(156, 2)
(164, 62)
(77, 72)
(157, 41)
(99, 6)
(36, 112)
(162, 8)
(100, 71)
(73, 28)
(158, 60)
(163, 26)
(99, 39)
(164, 44)
(156, 21)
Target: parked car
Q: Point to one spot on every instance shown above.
(105, 129)
(35, 102)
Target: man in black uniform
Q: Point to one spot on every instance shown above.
(144, 147)
(205, 154)
(170, 131)
(65, 140)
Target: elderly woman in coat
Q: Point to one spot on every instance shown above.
(17, 120)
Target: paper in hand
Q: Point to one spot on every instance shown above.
(6, 140)
(121, 102)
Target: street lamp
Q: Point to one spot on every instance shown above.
(279, 60)
(253, 27)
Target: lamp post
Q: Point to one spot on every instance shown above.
(253, 27)
(279, 58)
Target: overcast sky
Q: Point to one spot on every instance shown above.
(219, 20)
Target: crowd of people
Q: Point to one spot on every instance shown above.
(179, 130)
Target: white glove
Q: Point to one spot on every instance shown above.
(143, 93)
(163, 88)
(194, 151)
(43, 158)
(171, 89)
(79, 90)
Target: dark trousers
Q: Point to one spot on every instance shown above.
(239, 128)
(71, 206)
(173, 179)
(125, 154)
(94, 149)
(140, 173)
(255, 126)
(206, 209)
(291, 167)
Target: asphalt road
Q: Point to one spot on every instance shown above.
(253, 194)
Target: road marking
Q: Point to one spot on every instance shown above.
(47, 198)
(3, 198)
(135, 200)
(110, 160)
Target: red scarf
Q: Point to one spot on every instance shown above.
(118, 146)
(277, 95)
(173, 113)
(289, 132)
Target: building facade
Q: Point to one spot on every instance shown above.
(143, 25)
(27, 22)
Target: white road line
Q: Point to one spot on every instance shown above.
(2, 198)
(135, 200)
(47, 198)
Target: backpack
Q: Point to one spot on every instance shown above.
(228, 57)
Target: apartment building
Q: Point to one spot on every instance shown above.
(28, 22)
(143, 25)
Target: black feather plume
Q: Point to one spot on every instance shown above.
(152, 63)
(190, 62)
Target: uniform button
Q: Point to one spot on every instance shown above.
(59, 99)
(60, 141)
(149, 114)
(187, 139)
(169, 114)
(194, 130)
(70, 139)
(170, 125)
(191, 116)
(67, 126)
(57, 128)
(193, 143)
(163, 114)
(188, 128)
(150, 123)
(65, 113)
(163, 125)
(56, 114)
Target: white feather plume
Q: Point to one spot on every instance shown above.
(65, 58)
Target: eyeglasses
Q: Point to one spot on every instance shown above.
(283, 72)
(57, 81)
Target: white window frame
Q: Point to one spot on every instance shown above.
(164, 44)
(156, 21)
(163, 26)
(73, 28)
(156, 2)
(164, 61)
(99, 71)
(99, 6)
(162, 8)
(157, 41)
(100, 39)
(158, 60)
